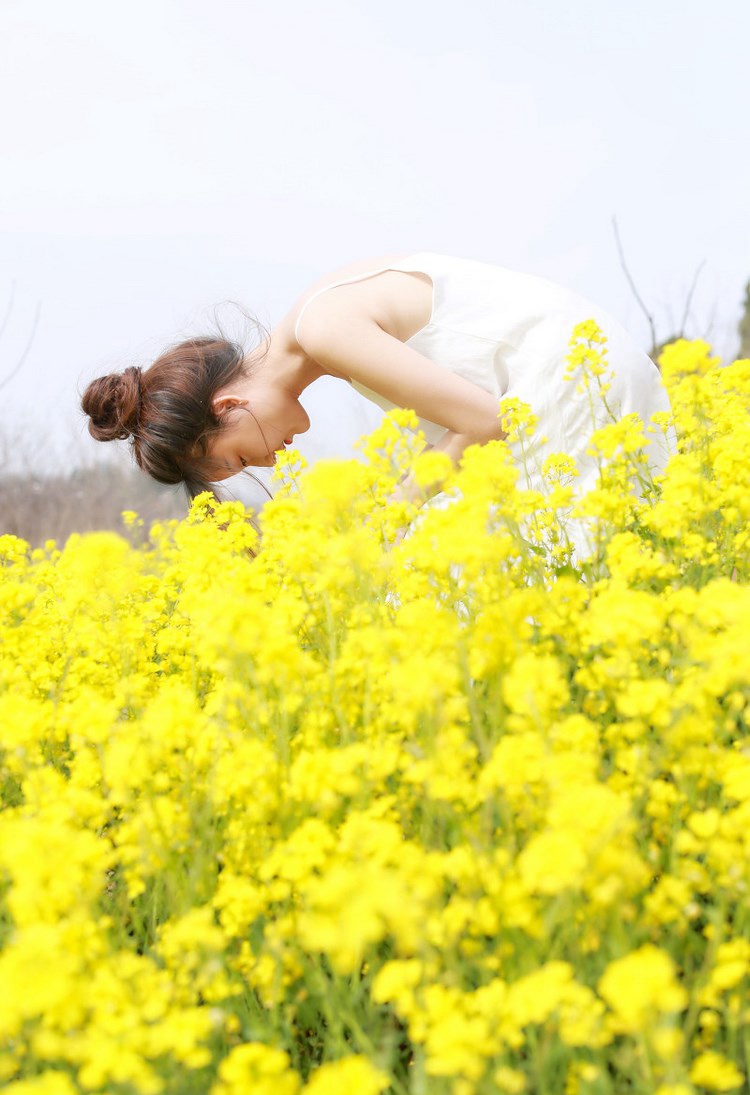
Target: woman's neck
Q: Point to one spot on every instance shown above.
(284, 363)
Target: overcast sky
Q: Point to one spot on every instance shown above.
(161, 156)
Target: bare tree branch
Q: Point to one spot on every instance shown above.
(632, 285)
(711, 324)
(9, 309)
(19, 364)
(689, 299)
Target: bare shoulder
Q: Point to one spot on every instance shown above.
(385, 298)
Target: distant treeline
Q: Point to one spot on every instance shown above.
(40, 507)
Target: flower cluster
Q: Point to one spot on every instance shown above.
(331, 808)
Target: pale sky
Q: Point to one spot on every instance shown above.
(162, 156)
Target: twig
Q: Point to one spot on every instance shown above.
(689, 298)
(9, 309)
(631, 283)
(14, 372)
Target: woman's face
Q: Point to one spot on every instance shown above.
(260, 419)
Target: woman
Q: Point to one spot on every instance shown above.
(446, 337)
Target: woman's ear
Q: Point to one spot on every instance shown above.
(222, 403)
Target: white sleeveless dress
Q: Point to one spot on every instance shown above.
(508, 333)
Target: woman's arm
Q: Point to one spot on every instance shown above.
(354, 345)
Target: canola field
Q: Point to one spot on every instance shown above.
(343, 811)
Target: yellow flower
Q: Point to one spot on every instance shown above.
(552, 862)
(258, 1068)
(559, 466)
(432, 469)
(716, 1073)
(46, 1083)
(351, 1074)
(684, 357)
(396, 982)
(510, 1080)
(535, 686)
(640, 987)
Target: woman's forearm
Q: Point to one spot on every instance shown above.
(453, 445)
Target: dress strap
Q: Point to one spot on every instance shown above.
(335, 285)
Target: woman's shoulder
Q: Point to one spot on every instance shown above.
(368, 293)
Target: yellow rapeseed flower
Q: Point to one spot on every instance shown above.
(641, 986)
(349, 1074)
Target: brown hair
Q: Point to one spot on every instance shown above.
(166, 410)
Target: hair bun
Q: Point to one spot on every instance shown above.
(113, 404)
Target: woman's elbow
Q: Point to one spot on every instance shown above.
(489, 429)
